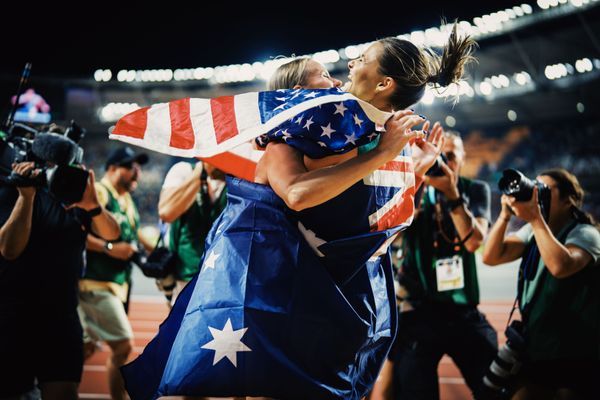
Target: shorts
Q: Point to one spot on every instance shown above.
(103, 316)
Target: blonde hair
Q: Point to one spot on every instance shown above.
(289, 74)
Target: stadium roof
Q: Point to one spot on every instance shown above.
(75, 41)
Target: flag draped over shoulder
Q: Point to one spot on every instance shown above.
(219, 130)
(289, 305)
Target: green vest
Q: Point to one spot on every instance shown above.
(561, 318)
(101, 267)
(188, 233)
(421, 254)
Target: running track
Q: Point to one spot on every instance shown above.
(146, 315)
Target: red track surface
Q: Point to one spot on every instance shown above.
(146, 316)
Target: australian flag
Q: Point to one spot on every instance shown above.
(278, 309)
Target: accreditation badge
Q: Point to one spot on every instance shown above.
(449, 273)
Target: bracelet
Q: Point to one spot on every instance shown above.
(452, 204)
(95, 211)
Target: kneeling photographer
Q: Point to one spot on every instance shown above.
(42, 239)
(559, 286)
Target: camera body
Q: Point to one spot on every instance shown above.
(508, 360)
(58, 156)
(514, 183)
(436, 169)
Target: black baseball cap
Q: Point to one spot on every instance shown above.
(125, 155)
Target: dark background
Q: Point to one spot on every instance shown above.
(75, 40)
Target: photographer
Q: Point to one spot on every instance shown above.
(439, 283)
(41, 247)
(191, 199)
(104, 287)
(559, 288)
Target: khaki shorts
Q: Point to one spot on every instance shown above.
(103, 316)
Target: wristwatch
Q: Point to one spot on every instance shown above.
(108, 246)
(452, 204)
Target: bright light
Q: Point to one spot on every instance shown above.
(518, 11)
(428, 97)
(512, 115)
(584, 65)
(352, 52)
(580, 108)
(577, 3)
(450, 121)
(114, 111)
(527, 9)
(543, 4)
(122, 75)
(417, 38)
(327, 57)
(98, 75)
(106, 75)
(485, 88)
(556, 71)
(435, 37)
(522, 78)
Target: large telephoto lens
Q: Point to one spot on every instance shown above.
(514, 183)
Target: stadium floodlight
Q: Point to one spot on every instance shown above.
(450, 121)
(428, 97)
(485, 88)
(512, 115)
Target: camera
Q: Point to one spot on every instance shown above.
(57, 155)
(436, 169)
(508, 361)
(514, 183)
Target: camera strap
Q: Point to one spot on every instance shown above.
(162, 231)
(528, 270)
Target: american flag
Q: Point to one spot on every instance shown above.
(220, 130)
(319, 122)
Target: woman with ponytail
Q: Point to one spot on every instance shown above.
(307, 245)
(560, 296)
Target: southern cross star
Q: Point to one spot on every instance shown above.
(210, 260)
(226, 343)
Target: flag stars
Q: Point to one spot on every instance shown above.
(357, 120)
(281, 98)
(285, 135)
(210, 260)
(340, 109)
(351, 138)
(327, 131)
(310, 95)
(308, 123)
(372, 136)
(281, 106)
(226, 343)
(299, 120)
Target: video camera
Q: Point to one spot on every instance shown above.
(514, 183)
(58, 155)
